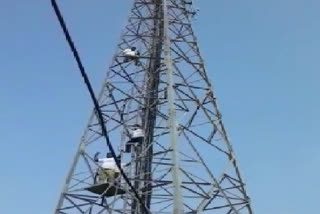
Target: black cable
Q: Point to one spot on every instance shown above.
(94, 100)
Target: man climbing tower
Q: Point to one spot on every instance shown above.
(131, 54)
(108, 170)
(136, 135)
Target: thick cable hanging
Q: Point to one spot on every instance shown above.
(93, 98)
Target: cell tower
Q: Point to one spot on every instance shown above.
(185, 162)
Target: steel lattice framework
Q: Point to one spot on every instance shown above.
(186, 163)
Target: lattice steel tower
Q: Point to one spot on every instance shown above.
(185, 163)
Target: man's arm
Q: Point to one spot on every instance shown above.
(96, 157)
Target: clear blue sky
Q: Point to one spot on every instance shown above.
(263, 58)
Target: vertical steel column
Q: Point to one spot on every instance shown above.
(176, 180)
(144, 169)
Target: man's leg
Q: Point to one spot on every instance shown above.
(102, 176)
(110, 175)
(96, 176)
(128, 147)
(140, 140)
(117, 177)
(137, 63)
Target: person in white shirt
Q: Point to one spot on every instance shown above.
(108, 170)
(136, 135)
(131, 54)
